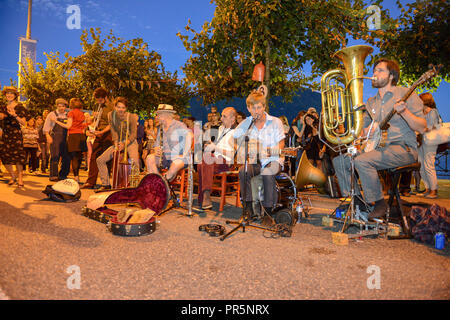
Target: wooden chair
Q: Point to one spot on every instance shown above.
(394, 175)
(181, 182)
(227, 184)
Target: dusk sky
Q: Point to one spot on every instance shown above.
(157, 22)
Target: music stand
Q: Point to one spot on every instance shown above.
(350, 212)
(245, 220)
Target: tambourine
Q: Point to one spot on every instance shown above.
(214, 230)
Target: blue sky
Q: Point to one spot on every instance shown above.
(157, 22)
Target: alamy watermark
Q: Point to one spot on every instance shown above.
(374, 280)
(374, 20)
(74, 20)
(74, 280)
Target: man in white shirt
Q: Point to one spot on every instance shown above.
(218, 157)
(266, 139)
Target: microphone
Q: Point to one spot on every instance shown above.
(253, 122)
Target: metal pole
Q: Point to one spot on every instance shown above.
(28, 36)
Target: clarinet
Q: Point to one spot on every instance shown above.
(190, 182)
(160, 133)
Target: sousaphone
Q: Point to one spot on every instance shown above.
(308, 174)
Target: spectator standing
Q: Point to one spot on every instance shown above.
(76, 138)
(13, 115)
(427, 153)
(56, 136)
(30, 144)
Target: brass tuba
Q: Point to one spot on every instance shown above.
(345, 125)
(308, 174)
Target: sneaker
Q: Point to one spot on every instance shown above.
(103, 188)
(423, 194)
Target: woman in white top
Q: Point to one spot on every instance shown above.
(427, 153)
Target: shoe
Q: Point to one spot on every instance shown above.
(53, 179)
(206, 203)
(406, 194)
(423, 194)
(12, 181)
(431, 195)
(87, 186)
(379, 210)
(103, 188)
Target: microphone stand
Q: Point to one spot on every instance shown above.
(245, 219)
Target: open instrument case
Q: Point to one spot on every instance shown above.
(109, 207)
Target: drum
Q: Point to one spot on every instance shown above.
(284, 211)
(287, 192)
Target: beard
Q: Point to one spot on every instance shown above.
(380, 83)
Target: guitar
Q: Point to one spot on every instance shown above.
(380, 134)
(257, 150)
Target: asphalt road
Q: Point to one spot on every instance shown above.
(48, 250)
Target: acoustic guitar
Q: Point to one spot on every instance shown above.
(380, 134)
(256, 151)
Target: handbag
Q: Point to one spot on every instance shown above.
(440, 134)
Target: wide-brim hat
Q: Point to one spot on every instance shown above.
(165, 108)
(10, 89)
(312, 110)
(61, 101)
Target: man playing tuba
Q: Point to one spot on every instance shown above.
(401, 146)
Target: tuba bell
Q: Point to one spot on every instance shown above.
(343, 89)
(308, 174)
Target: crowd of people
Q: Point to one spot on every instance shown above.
(65, 139)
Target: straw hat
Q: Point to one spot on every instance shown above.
(10, 89)
(165, 108)
(61, 101)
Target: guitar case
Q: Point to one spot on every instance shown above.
(152, 193)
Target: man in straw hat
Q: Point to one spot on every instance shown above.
(57, 139)
(172, 151)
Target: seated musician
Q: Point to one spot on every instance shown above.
(218, 157)
(120, 121)
(267, 134)
(173, 151)
(401, 145)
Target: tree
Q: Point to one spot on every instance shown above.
(54, 80)
(129, 69)
(126, 68)
(419, 37)
(285, 34)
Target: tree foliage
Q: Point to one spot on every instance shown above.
(286, 35)
(125, 68)
(44, 84)
(417, 38)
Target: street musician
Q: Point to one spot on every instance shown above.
(120, 121)
(172, 146)
(266, 140)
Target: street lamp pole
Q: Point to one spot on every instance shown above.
(28, 36)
